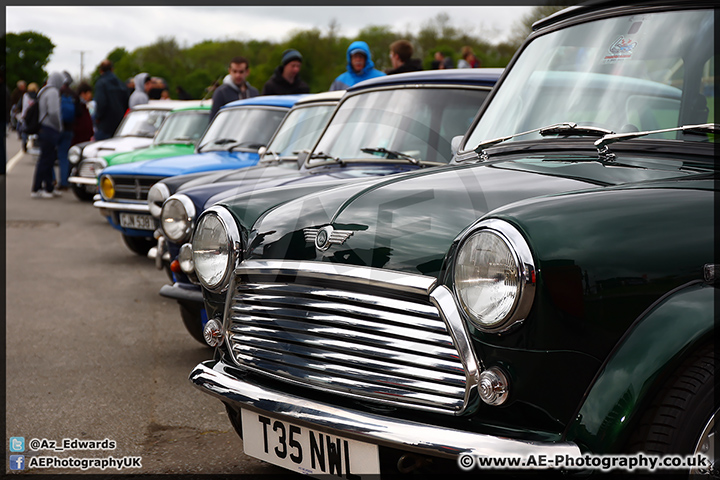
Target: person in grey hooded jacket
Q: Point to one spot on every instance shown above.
(140, 96)
(48, 137)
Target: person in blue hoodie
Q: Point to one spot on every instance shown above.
(359, 67)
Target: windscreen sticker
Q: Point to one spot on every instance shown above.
(621, 49)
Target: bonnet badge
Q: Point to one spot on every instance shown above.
(326, 236)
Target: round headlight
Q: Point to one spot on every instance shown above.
(495, 276)
(215, 244)
(176, 218)
(157, 194)
(74, 154)
(107, 187)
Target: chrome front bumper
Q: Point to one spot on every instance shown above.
(83, 180)
(120, 206)
(213, 378)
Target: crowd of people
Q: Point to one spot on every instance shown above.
(68, 116)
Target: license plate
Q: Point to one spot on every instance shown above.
(306, 450)
(137, 221)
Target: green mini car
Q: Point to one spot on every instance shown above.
(177, 136)
(547, 300)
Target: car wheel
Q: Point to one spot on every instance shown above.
(139, 245)
(82, 192)
(192, 319)
(681, 420)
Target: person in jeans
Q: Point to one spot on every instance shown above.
(48, 137)
(68, 131)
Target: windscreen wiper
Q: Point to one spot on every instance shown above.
(244, 145)
(325, 156)
(564, 128)
(391, 154)
(220, 141)
(605, 153)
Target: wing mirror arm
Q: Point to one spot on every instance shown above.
(302, 157)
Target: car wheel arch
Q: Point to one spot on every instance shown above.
(637, 368)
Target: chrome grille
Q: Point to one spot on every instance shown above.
(89, 169)
(352, 330)
(133, 187)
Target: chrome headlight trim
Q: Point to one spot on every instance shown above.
(157, 195)
(74, 154)
(525, 272)
(233, 244)
(182, 231)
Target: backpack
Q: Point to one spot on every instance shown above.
(31, 122)
(67, 109)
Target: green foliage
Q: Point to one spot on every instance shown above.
(26, 55)
(523, 28)
(196, 67)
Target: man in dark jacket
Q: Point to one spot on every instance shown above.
(401, 57)
(235, 85)
(111, 102)
(286, 78)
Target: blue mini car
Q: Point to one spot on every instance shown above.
(231, 141)
(384, 126)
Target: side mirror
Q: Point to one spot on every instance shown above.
(262, 150)
(302, 157)
(455, 144)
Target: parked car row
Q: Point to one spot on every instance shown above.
(457, 263)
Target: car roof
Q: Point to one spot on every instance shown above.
(169, 104)
(466, 76)
(199, 106)
(333, 96)
(617, 8)
(268, 101)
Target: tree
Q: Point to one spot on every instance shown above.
(523, 27)
(379, 39)
(27, 54)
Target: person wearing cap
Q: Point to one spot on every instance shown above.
(359, 67)
(235, 85)
(286, 78)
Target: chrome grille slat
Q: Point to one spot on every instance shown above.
(318, 315)
(313, 361)
(395, 305)
(136, 188)
(349, 385)
(365, 333)
(353, 345)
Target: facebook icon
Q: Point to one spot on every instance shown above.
(17, 462)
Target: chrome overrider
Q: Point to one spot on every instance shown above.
(220, 378)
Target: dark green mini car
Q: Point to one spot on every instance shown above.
(549, 295)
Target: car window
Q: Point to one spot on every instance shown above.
(141, 123)
(623, 74)
(418, 122)
(183, 127)
(300, 130)
(249, 127)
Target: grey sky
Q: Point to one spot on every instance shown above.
(98, 30)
